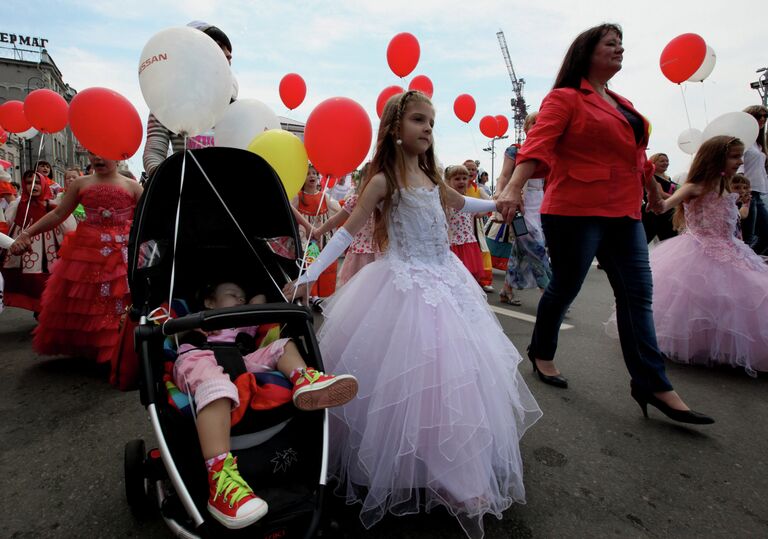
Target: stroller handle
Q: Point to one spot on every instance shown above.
(240, 316)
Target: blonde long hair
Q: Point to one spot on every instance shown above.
(389, 160)
(707, 170)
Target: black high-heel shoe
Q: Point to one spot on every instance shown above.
(557, 380)
(644, 398)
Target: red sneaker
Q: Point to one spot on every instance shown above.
(315, 390)
(231, 500)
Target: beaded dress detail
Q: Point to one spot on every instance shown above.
(710, 290)
(87, 292)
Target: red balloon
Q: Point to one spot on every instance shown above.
(503, 125)
(403, 54)
(46, 110)
(3, 136)
(337, 136)
(422, 84)
(682, 57)
(329, 181)
(293, 90)
(489, 126)
(12, 117)
(105, 123)
(384, 96)
(464, 107)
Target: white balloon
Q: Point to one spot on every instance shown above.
(689, 140)
(185, 79)
(735, 124)
(679, 179)
(706, 67)
(242, 122)
(28, 134)
(235, 87)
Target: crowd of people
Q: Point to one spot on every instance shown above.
(428, 402)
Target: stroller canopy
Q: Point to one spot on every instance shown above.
(261, 254)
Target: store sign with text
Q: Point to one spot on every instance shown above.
(18, 39)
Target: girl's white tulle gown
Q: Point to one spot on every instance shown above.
(441, 406)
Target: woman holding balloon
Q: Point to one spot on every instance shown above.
(589, 142)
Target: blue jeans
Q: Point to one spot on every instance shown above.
(620, 247)
(755, 226)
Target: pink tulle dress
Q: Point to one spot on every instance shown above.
(363, 249)
(710, 290)
(441, 406)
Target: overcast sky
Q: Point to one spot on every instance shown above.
(340, 49)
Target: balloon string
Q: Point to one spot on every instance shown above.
(176, 229)
(685, 104)
(303, 265)
(24, 224)
(704, 99)
(237, 225)
(474, 142)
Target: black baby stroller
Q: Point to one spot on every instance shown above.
(234, 223)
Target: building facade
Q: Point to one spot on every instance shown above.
(23, 70)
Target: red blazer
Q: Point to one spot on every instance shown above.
(586, 149)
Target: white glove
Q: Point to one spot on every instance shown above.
(330, 254)
(477, 205)
(5, 241)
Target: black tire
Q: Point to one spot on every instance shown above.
(136, 479)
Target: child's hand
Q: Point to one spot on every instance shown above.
(316, 235)
(292, 292)
(258, 299)
(656, 202)
(23, 243)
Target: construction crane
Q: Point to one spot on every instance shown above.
(519, 108)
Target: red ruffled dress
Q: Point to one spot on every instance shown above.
(461, 230)
(87, 293)
(308, 206)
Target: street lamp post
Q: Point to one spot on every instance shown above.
(492, 149)
(761, 85)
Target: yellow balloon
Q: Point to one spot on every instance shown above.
(286, 154)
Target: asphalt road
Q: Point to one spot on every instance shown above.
(594, 466)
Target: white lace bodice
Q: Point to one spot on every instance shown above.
(420, 256)
(417, 228)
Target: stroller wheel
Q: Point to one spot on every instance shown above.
(136, 479)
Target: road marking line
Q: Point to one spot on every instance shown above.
(522, 316)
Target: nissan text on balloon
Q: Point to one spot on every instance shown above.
(185, 79)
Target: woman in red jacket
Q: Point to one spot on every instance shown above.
(590, 144)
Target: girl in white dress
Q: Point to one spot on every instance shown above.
(441, 406)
